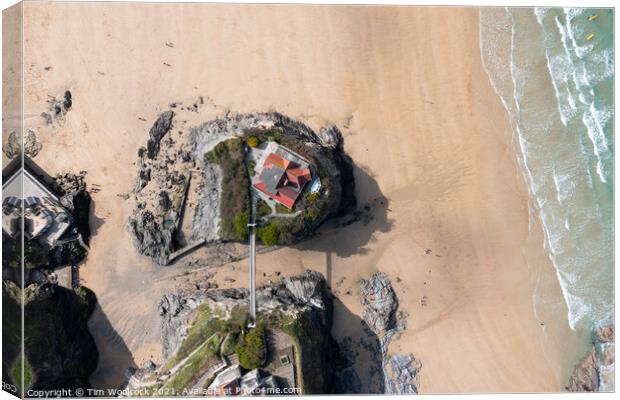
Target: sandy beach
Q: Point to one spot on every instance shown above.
(430, 139)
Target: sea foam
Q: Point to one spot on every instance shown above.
(555, 85)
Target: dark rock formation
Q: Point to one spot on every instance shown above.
(401, 371)
(152, 237)
(592, 372)
(164, 201)
(380, 305)
(58, 108)
(379, 301)
(144, 177)
(67, 102)
(160, 128)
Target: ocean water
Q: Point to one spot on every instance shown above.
(553, 70)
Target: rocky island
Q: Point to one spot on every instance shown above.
(263, 168)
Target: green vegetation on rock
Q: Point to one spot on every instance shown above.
(282, 209)
(204, 326)
(195, 366)
(313, 197)
(230, 156)
(16, 374)
(230, 343)
(240, 226)
(251, 348)
(262, 209)
(269, 235)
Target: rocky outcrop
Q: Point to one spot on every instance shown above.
(304, 302)
(175, 311)
(206, 220)
(380, 304)
(151, 236)
(160, 128)
(330, 136)
(58, 108)
(154, 223)
(379, 301)
(401, 372)
(595, 372)
(144, 177)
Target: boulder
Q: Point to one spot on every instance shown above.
(595, 371)
(379, 299)
(330, 136)
(585, 375)
(161, 126)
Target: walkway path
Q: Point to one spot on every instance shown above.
(252, 228)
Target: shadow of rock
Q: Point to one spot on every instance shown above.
(60, 351)
(351, 233)
(359, 363)
(95, 222)
(114, 355)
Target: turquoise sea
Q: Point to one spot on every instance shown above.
(553, 68)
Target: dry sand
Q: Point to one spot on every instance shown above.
(420, 119)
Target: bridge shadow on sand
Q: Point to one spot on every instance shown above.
(114, 355)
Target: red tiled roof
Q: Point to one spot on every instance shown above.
(277, 160)
(297, 176)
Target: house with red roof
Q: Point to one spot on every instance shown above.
(283, 176)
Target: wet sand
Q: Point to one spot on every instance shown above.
(430, 140)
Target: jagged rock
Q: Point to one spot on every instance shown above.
(149, 366)
(185, 156)
(330, 136)
(379, 299)
(164, 201)
(401, 373)
(60, 351)
(305, 287)
(151, 238)
(380, 306)
(174, 318)
(160, 128)
(604, 334)
(144, 177)
(595, 372)
(348, 381)
(58, 108)
(48, 118)
(585, 375)
(67, 103)
(206, 220)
